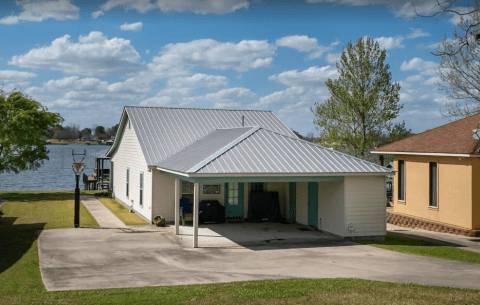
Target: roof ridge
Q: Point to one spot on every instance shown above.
(197, 108)
(223, 150)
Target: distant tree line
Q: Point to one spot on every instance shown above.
(73, 132)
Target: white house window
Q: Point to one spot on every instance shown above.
(128, 181)
(233, 193)
(141, 189)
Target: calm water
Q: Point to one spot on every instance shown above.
(54, 174)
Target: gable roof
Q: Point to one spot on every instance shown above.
(162, 131)
(453, 138)
(256, 150)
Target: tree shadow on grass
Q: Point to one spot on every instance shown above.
(15, 240)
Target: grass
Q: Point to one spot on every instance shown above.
(402, 244)
(130, 219)
(20, 280)
(44, 210)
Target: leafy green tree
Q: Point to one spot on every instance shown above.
(24, 123)
(363, 100)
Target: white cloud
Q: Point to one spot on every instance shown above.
(132, 26)
(198, 80)
(299, 43)
(304, 89)
(415, 33)
(333, 58)
(312, 76)
(92, 55)
(423, 66)
(209, 53)
(228, 98)
(305, 44)
(10, 79)
(389, 43)
(37, 11)
(197, 7)
(97, 14)
(74, 92)
(406, 9)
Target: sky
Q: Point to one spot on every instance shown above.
(89, 59)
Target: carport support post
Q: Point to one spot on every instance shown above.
(196, 195)
(177, 206)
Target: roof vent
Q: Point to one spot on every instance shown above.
(243, 120)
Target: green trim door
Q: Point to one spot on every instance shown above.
(234, 200)
(313, 204)
(292, 195)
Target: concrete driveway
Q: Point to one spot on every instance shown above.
(76, 259)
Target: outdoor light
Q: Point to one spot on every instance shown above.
(78, 166)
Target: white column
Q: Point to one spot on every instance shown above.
(177, 205)
(196, 195)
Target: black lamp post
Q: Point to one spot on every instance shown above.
(77, 168)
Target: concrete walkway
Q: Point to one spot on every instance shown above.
(85, 258)
(463, 242)
(104, 217)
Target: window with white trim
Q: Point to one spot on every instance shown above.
(401, 180)
(433, 184)
(232, 196)
(127, 182)
(141, 189)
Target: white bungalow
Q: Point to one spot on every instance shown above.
(163, 154)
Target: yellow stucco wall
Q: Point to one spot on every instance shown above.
(476, 193)
(454, 189)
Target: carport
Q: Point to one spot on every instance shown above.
(322, 188)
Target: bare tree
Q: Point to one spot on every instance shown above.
(459, 69)
(469, 33)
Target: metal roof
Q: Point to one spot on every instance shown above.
(208, 147)
(163, 132)
(262, 151)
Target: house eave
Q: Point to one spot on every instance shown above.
(424, 154)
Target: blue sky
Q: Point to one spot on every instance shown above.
(89, 59)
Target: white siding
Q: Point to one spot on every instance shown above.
(365, 205)
(331, 208)
(163, 195)
(130, 155)
(302, 202)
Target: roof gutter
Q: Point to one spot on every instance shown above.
(424, 154)
(194, 175)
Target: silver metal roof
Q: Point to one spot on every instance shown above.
(261, 151)
(163, 132)
(193, 156)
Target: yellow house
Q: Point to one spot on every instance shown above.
(437, 180)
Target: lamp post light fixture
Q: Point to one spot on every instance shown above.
(77, 167)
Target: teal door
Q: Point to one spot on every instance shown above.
(313, 204)
(234, 200)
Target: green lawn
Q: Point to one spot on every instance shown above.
(402, 244)
(130, 219)
(20, 280)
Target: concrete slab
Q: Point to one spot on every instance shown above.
(250, 235)
(463, 242)
(74, 259)
(101, 213)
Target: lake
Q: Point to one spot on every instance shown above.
(56, 173)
